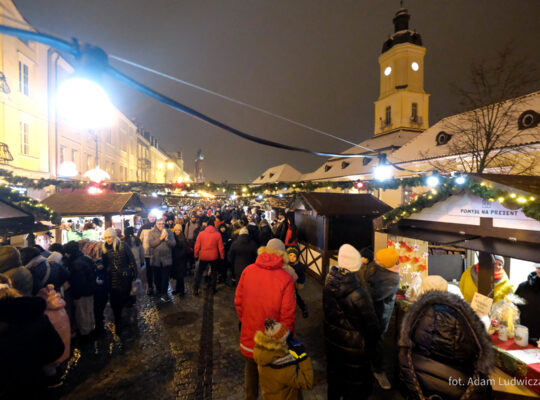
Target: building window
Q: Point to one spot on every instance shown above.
(63, 150)
(25, 138)
(74, 156)
(23, 78)
(388, 118)
(89, 162)
(414, 112)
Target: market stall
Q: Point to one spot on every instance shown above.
(327, 220)
(490, 215)
(15, 222)
(107, 210)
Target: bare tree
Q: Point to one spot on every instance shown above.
(485, 137)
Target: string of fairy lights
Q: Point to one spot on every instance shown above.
(440, 187)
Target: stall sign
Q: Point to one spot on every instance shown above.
(478, 207)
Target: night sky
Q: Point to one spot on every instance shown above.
(313, 61)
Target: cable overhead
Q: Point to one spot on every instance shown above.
(75, 50)
(252, 107)
(121, 77)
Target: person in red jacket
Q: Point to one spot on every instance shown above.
(265, 290)
(208, 249)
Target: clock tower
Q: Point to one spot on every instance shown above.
(402, 104)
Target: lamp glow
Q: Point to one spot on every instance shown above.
(432, 181)
(382, 172)
(68, 169)
(260, 197)
(84, 104)
(97, 175)
(460, 180)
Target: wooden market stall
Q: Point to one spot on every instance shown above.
(325, 221)
(483, 226)
(105, 205)
(14, 221)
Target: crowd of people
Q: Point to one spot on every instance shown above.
(50, 298)
(53, 296)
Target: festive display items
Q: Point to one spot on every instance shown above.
(505, 314)
(413, 257)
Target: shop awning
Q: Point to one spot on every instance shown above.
(80, 204)
(428, 235)
(339, 204)
(521, 250)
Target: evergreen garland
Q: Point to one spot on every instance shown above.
(38, 210)
(529, 205)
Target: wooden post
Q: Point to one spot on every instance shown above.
(325, 257)
(108, 221)
(485, 274)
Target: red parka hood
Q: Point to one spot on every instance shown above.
(269, 261)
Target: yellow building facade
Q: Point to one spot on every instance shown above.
(41, 142)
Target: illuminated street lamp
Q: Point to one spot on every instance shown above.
(68, 169)
(84, 104)
(97, 175)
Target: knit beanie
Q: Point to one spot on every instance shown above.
(276, 244)
(349, 258)
(434, 282)
(387, 258)
(499, 258)
(9, 258)
(244, 231)
(292, 250)
(275, 330)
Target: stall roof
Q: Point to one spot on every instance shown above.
(14, 221)
(74, 204)
(525, 183)
(335, 204)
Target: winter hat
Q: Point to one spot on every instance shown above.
(499, 258)
(244, 231)
(387, 258)
(292, 250)
(9, 258)
(275, 330)
(434, 282)
(276, 244)
(349, 258)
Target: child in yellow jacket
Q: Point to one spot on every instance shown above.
(284, 369)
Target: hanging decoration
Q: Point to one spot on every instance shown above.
(413, 258)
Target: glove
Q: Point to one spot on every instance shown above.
(296, 349)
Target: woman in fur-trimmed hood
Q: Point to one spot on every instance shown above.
(282, 373)
(442, 338)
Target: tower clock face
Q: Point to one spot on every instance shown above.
(387, 71)
(415, 66)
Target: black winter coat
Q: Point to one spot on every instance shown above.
(530, 291)
(83, 276)
(382, 285)
(45, 272)
(351, 329)
(243, 252)
(28, 342)
(265, 234)
(254, 234)
(442, 338)
(179, 255)
(120, 268)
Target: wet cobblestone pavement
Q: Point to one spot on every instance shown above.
(185, 349)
